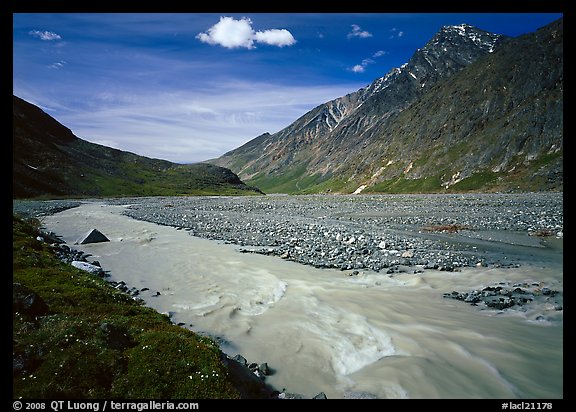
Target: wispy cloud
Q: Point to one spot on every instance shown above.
(361, 68)
(58, 65)
(186, 126)
(232, 33)
(358, 32)
(395, 33)
(45, 35)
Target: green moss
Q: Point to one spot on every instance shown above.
(402, 185)
(173, 364)
(477, 181)
(335, 184)
(546, 159)
(288, 182)
(67, 353)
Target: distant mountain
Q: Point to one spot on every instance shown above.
(471, 110)
(48, 160)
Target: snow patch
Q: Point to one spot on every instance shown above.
(360, 189)
(379, 172)
(409, 167)
(553, 149)
(456, 177)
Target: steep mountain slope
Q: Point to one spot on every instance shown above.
(442, 118)
(49, 160)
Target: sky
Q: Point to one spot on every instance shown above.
(191, 87)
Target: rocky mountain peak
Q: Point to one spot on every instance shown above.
(451, 48)
(463, 35)
(388, 129)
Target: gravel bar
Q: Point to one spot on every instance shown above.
(360, 232)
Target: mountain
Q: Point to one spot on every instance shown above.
(49, 160)
(470, 110)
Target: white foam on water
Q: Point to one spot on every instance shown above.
(206, 302)
(352, 341)
(257, 301)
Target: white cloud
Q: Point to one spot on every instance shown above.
(358, 32)
(58, 65)
(45, 35)
(232, 33)
(275, 37)
(186, 126)
(395, 33)
(360, 68)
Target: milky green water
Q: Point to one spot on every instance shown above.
(322, 330)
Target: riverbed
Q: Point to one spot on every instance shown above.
(346, 333)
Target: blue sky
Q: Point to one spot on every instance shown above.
(190, 87)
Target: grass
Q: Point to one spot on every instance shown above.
(70, 353)
(289, 182)
(430, 184)
(477, 181)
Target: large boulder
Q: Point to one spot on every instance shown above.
(26, 302)
(93, 236)
(88, 267)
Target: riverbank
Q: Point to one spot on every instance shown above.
(78, 336)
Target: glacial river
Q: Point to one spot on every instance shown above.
(321, 330)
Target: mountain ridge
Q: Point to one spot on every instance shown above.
(49, 160)
(320, 151)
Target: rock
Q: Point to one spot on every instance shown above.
(288, 395)
(500, 303)
(88, 267)
(51, 237)
(93, 236)
(265, 369)
(240, 359)
(321, 395)
(408, 254)
(26, 302)
(246, 382)
(253, 366)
